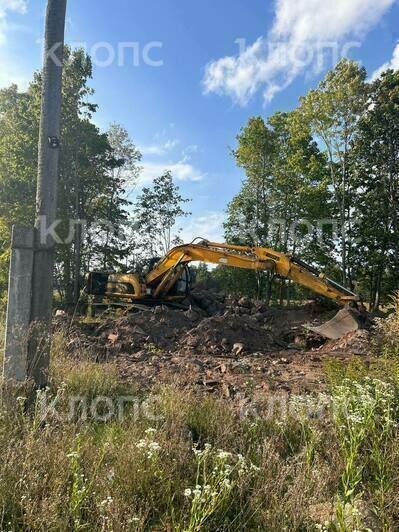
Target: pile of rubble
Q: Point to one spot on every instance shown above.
(224, 345)
(356, 342)
(207, 327)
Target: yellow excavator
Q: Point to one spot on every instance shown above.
(169, 280)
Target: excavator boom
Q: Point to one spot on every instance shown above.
(253, 258)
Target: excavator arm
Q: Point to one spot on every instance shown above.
(165, 274)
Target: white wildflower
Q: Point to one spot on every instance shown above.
(227, 483)
(223, 455)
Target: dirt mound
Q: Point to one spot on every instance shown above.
(206, 301)
(227, 334)
(211, 326)
(239, 348)
(177, 331)
(354, 342)
(160, 327)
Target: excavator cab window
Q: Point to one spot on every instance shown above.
(183, 286)
(96, 283)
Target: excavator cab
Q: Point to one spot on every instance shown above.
(122, 289)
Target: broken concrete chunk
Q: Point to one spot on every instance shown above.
(238, 348)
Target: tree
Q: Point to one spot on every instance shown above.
(108, 245)
(255, 155)
(19, 133)
(249, 213)
(157, 211)
(332, 112)
(376, 162)
(93, 176)
(285, 192)
(299, 197)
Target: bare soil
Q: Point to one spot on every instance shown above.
(233, 348)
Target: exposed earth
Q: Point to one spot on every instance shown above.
(234, 348)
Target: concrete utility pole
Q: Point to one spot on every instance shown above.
(46, 197)
(19, 305)
(30, 292)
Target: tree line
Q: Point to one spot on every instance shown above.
(322, 182)
(99, 224)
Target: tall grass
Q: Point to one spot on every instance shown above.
(189, 462)
(2, 336)
(365, 416)
(195, 464)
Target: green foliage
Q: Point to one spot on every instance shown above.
(332, 112)
(239, 282)
(284, 194)
(376, 162)
(156, 212)
(387, 331)
(107, 246)
(254, 154)
(95, 168)
(365, 415)
(218, 474)
(322, 182)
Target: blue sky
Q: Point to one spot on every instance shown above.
(185, 113)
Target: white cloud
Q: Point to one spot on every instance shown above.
(160, 149)
(10, 72)
(181, 171)
(393, 63)
(13, 5)
(6, 6)
(189, 150)
(208, 225)
(301, 34)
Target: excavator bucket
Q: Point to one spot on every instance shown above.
(345, 321)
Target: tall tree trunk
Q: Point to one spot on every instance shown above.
(288, 293)
(68, 281)
(281, 288)
(377, 295)
(77, 256)
(269, 286)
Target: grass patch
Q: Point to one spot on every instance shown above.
(175, 460)
(183, 462)
(2, 337)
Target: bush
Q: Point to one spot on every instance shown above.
(387, 331)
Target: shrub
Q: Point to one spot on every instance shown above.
(387, 331)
